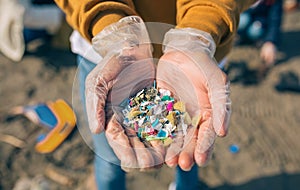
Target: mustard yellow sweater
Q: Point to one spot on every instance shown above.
(218, 17)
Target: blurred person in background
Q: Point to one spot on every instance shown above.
(261, 25)
(291, 5)
(24, 21)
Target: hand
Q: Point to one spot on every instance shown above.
(190, 72)
(268, 53)
(126, 68)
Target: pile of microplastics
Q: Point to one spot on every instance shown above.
(155, 115)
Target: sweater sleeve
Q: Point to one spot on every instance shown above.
(89, 17)
(218, 17)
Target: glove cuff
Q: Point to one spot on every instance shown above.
(128, 32)
(189, 39)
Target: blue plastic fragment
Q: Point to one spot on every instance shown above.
(41, 137)
(45, 115)
(162, 133)
(155, 123)
(147, 118)
(234, 148)
(140, 130)
(149, 107)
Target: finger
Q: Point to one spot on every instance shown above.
(143, 155)
(221, 105)
(97, 84)
(206, 138)
(120, 144)
(218, 91)
(95, 107)
(186, 157)
(173, 150)
(203, 158)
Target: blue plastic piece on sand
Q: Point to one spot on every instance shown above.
(41, 137)
(234, 148)
(46, 116)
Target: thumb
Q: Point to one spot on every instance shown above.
(220, 102)
(121, 145)
(98, 83)
(95, 103)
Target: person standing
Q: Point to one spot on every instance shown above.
(202, 36)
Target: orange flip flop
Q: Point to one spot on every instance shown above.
(58, 117)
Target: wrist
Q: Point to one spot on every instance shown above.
(103, 22)
(189, 39)
(127, 33)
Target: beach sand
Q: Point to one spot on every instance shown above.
(265, 124)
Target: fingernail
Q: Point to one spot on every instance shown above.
(187, 169)
(172, 165)
(222, 133)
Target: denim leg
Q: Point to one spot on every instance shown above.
(108, 176)
(84, 68)
(108, 173)
(32, 34)
(187, 180)
(255, 31)
(245, 21)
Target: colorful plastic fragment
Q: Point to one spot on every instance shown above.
(155, 115)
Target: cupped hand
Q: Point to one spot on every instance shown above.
(194, 78)
(126, 68)
(106, 88)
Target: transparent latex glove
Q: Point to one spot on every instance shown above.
(126, 68)
(268, 53)
(188, 69)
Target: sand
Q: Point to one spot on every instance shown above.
(265, 124)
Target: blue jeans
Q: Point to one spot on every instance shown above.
(109, 175)
(32, 34)
(249, 28)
